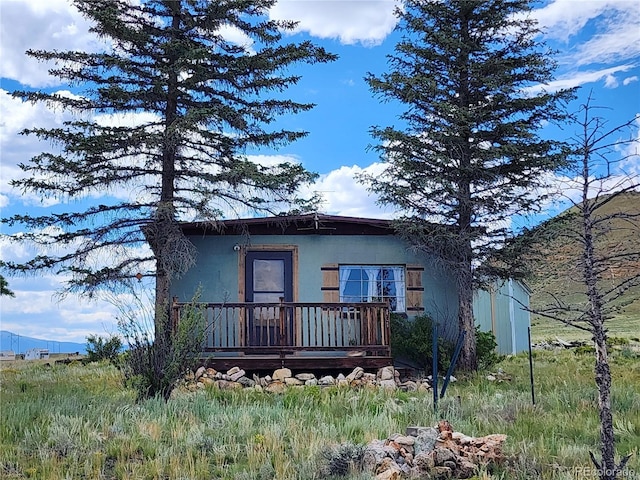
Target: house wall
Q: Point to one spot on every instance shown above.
(217, 265)
(500, 310)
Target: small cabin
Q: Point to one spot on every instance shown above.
(36, 354)
(309, 291)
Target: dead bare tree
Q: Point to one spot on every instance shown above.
(604, 224)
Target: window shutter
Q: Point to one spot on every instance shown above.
(415, 290)
(330, 283)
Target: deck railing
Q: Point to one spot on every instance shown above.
(272, 327)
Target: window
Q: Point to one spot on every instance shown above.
(373, 283)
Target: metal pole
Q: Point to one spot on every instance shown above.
(434, 367)
(454, 360)
(533, 393)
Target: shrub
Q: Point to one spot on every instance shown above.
(342, 460)
(486, 349)
(154, 363)
(413, 340)
(100, 348)
(614, 341)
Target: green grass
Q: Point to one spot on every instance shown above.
(626, 325)
(75, 422)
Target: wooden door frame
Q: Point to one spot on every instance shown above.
(242, 255)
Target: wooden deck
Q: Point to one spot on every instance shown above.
(309, 336)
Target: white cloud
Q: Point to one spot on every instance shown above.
(237, 37)
(68, 320)
(610, 81)
(16, 115)
(563, 19)
(614, 30)
(40, 25)
(575, 79)
(344, 195)
(629, 80)
(366, 22)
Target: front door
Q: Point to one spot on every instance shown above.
(269, 277)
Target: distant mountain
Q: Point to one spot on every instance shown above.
(555, 270)
(20, 344)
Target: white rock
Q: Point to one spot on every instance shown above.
(237, 375)
(290, 381)
(355, 374)
(326, 380)
(281, 374)
(387, 373)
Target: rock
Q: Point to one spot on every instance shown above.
(386, 373)
(199, 372)
(282, 373)
(426, 440)
(424, 462)
(233, 370)
(236, 375)
(227, 385)
(291, 381)
(246, 382)
(441, 473)
(450, 464)
(388, 469)
(409, 386)
(340, 377)
(465, 468)
(443, 455)
(326, 380)
(373, 454)
(390, 475)
(369, 377)
(491, 378)
(311, 382)
(275, 387)
(211, 372)
(207, 381)
(355, 374)
(305, 376)
(403, 439)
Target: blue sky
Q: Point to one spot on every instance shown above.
(599, 49)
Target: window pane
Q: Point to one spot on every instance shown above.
(268, 275)
(387, 284)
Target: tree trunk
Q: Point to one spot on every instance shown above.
(603, 381)
(468, 356)
(607, 465)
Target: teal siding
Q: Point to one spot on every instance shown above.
(500, 310)
(216, 276)
(216, 269)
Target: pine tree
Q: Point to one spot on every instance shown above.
(467, 154)
(4, 288)
(194, 104)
